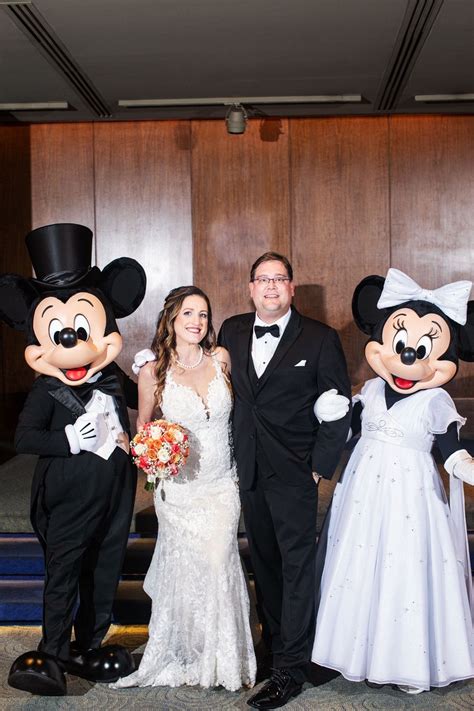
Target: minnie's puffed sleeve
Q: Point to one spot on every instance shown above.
(442, 413)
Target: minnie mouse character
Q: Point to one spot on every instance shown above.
(396, 597)
(75, 418)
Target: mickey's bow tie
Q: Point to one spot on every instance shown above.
(274, 330)
(108, 384)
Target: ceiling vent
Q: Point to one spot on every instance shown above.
(29, 20)
(416, 26)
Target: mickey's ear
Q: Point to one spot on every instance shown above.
(123, 281)
(364, 303)
(16, 296)
(466, 335)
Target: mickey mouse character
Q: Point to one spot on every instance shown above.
(395, 604)
(75, 418)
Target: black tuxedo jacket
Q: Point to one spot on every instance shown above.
(49, 407)
(273, 415)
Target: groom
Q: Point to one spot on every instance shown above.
(281, 362)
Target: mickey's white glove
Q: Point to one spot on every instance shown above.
(330, 406)
(142, 357)
(86, 434)
(461, 465)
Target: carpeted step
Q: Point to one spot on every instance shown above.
(21, 555)
(132, 606)
(21, 600)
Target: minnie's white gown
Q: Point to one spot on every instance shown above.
(396, 583)
(199, 631)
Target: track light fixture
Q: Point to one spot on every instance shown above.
(236, 119)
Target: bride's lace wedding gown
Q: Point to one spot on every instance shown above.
(199, 631)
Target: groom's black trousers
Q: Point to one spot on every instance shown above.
(280, 520)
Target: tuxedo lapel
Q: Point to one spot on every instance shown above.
(242, 357)
(67, 397)
(291, 333)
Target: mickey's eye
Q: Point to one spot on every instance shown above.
(400, 340)
(81, 327)
(423, 347)
(55, 327)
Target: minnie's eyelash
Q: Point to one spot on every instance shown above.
(433, 334)
(399, 324)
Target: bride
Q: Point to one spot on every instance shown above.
(199, 631)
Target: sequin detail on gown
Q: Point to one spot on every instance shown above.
(199, 631)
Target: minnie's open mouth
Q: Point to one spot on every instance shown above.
(402, 383)
(76, 373)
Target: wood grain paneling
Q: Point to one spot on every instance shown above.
(432, 205)
(15, 210)
(62, 174)
(240, 206)
(143, 210)
(340, 219)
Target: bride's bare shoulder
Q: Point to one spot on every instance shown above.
(223, 358)
(147, 372)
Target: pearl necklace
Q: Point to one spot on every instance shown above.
(194, 365)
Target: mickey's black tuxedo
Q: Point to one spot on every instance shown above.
(81, 508)
(278, 444)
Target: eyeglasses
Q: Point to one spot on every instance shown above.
(265, 281)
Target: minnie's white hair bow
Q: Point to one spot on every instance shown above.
(451, 299)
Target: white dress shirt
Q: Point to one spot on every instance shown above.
(263, 348)
(109, 426)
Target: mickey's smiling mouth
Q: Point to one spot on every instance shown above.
(75, 374)
(403, 383)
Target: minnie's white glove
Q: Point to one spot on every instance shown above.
(86, 434)
(141, 358)
(330, 406)
(461, 465)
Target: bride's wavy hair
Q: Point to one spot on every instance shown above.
(164, 342)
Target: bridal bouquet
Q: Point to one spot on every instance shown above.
(160, 449)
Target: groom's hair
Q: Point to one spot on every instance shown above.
(271, 257)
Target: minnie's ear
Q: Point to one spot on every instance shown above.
(364, 303)
(16, 296)
(466, 335)
(123, 282)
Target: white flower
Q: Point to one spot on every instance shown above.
(178, 435)
(151, 478)
(155, 432)
(164, 455)
(139, 449)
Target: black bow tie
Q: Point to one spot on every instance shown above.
(262, 330)
(108, 384)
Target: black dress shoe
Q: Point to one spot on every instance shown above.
(278, 690)
(104, 665)
(39, 674)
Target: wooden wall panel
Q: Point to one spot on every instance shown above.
(62, 174)
(240, 206)
(432, 205)
(15, 210)
(340, 219)
(143, 210)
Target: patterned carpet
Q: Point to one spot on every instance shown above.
(333, 695)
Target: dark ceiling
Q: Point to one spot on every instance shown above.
(94, 53)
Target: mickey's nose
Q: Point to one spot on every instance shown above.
(408, 356)
(68, 337)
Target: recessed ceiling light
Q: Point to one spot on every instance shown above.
(229, 101)
(35, 106)
(440, 98)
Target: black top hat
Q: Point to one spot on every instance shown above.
(61, 256)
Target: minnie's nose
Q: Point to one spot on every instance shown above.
(68, 337)
(408, 356)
